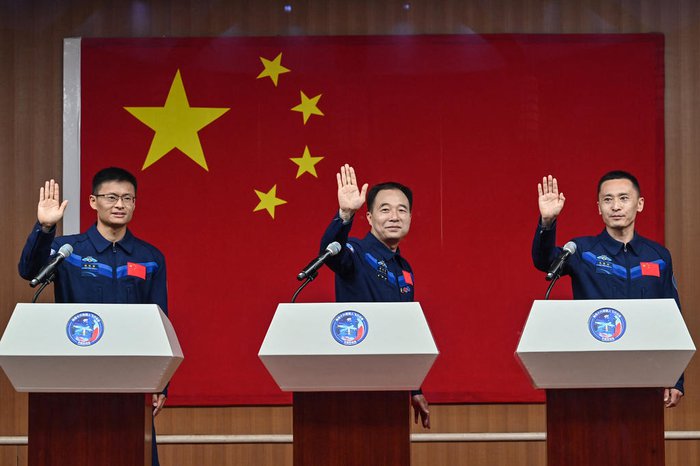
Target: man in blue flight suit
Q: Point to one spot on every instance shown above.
(108, 263)
(372, 269)
(616, 264)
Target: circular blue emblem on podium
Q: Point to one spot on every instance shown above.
(349, 328)
(607, 324)
(85, 328)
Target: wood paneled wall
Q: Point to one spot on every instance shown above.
(31, 34)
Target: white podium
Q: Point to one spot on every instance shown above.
(605, 364)
(301, 354)
(88, 367)
(350, 365)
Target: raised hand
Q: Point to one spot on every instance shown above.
(350, 197)
(551, 201)
(50, 209)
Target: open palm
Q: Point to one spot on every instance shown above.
(50, 209)
(551, 201)
(350, 196)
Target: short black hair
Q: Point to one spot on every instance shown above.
(112, 174)
(619, 175)
(374, 190)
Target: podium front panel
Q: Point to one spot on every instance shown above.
(584, 344)
(128, 348)
(395, 351)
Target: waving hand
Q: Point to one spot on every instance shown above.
(350, 197)
(550, 200)
(50, 209)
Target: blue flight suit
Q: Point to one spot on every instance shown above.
(98, 271)
(366, 270)
(129, 271)
(604, 268)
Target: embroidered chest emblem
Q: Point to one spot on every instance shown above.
(604, 264)
(88, 266)
(382, 270)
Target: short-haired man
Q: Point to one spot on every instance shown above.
(108, 263)
(372, 269)
(616, 264)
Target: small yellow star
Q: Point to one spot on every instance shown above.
(308, 106)
(273, 69)
(268, 201)
(176, 125)
(307, 163)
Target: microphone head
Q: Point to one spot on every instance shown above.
(65, 250)
(570, 247)
(334, 248)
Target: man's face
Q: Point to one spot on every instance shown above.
(114, 214)
(390, 217)
(619, 203)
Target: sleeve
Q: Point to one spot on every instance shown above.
(36, 250)
(159, 290)
(544, 249)
(670, 286)
(342, 263)
(680, 384)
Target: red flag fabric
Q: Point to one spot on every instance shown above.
(408, 277)
(650, 269)
(236, 142)
(135, 270)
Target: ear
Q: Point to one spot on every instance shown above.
(640, 204)
(369, 218)
(93, 202)
(599, 211)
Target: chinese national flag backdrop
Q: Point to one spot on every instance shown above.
(471, 123)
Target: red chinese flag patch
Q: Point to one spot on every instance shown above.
(136, 270)
(407, 276)
(650, 268)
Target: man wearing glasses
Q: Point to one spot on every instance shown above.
(108, 263)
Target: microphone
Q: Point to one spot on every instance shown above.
(46, 272)
(557, 265)
(310, 270)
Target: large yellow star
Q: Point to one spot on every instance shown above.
(268, 201)
(307, 163)
(176, 125)
(273, 69)
(308, 106)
